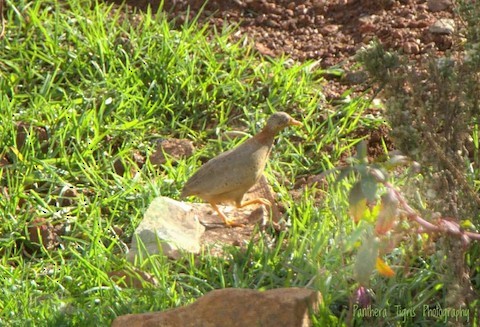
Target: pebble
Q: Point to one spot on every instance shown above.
(329, 29)
(438, 5)
(443, 26)
(411, 47)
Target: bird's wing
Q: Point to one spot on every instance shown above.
(232, 170)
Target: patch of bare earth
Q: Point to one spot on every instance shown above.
(329, 31)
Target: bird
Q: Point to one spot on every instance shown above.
(228, 176)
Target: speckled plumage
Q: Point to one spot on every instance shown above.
(227, 177)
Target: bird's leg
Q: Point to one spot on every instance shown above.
(255, 201)
(258, 201)
(228, 222)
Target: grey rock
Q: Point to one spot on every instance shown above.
(171, 224)
(443, 26)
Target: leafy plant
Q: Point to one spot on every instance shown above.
(433, 109)
(384, 218)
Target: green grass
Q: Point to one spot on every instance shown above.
(105, 84)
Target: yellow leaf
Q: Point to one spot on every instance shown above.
(467, 224)
(357, 210)
(357, 202)
(372, 213)
(383, 268)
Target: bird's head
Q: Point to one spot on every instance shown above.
(279, 121)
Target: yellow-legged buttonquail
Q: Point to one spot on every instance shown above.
(228, 176)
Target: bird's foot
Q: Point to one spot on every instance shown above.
(228, 222)
(256, 201)
(233, 223)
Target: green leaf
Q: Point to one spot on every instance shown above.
(353, 240)
(344, 173)
(369, 187)
(366, 260)
(362, 152)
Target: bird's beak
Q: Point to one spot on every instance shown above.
(294, 122)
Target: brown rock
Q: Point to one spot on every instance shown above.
(175, 148)
(272, 23)
(438, 5)
(411, 47)
(42, 233)
(419, 23)
(67, 196)
(264, 50)
(23, 133)
(120, 166)
(117, 230)
(138, 159)
(443, 42)
(329, 29)
(367, 27)
(289, 307)
(4, 161)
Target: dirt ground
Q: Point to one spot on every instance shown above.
(329, 31)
